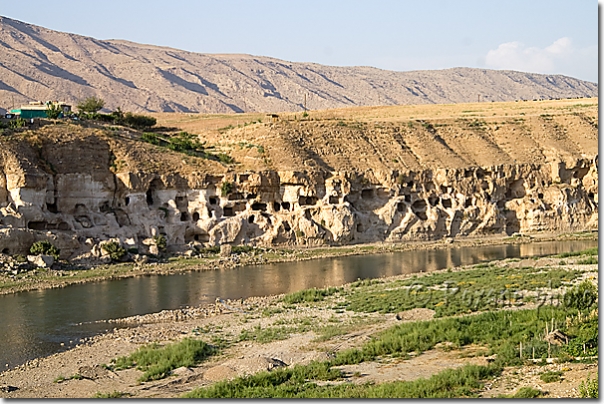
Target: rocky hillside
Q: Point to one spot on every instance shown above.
(336, 177)
(41, 64)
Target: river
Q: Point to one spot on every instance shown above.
(40, 323)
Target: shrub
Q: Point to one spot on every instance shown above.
(551, 376)
(138, 121)
(524, 392)
(156, 362)
(226, 188)
(114, 249)
(91, 105)
(310, 295)
(44, 247)
(582, 296)
(160, 242)
(113, 394)
(589, 388)
(53, 111)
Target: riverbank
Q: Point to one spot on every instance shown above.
(278, 333)
(50, 278)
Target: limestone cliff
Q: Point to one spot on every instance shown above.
(81, 186)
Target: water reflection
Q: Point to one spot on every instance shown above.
(36, 323)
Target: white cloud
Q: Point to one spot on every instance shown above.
(518, 56)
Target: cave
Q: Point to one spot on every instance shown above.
(36, 225)
(286, 205)
(259, 206)
(184, 216)
(151, 196)
(213, 200)
(195, 216)
(181, 202)
(467, 203)
(408, 198)
(418, 207)
(286, 226)
(127, 200)
(359, 228)
(307, 200)
(400, 207)
(250, 196)
(235, 196)
(540, 195)
(276, 206)
(334, 200)
(105, 207)
(228, 211)
(446, 203)
(6, 251)
(433, 200)
(367, 193)
(250, 219)
(52, 207)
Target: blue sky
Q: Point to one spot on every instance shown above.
(540, 36)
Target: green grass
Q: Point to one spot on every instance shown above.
(550, 376)
(298, 383)
(589, 388)
(588, 261)
(590, 251)
(524, 392)
(450, 293)
(113, 394)
(156, 361)
(310, 295)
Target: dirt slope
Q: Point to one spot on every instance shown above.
(41, 64)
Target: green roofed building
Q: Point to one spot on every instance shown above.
(37, 109)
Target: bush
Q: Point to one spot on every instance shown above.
(138, 121)
(160, 242)
(582, 296)
(589, 388)
(226, 188)
(310, 295)
(53, 111)
(44, 247)
(91, 105)
(114, 249)
(157, 362)
(550, 377)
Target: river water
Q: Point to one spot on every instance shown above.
(39, 323)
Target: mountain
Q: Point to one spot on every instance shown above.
(42, 64)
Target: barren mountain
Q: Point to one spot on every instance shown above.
(41, 64)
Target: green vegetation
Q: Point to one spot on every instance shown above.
(298, 383)
(450, 293)
(310, 295)
(62, 378)
(115, 250)
(524, 392)
(226, 188)
(161, 242)
(589, 388)
(550, 376)
(582, 296)
(113, 394)
(91, 105)
(156, 362)
(44, 247)
(589, 252)
(53, 111)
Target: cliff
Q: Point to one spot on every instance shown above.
(336, 177)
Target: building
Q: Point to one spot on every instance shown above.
(37, 109)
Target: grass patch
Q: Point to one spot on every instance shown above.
(550, 376)
(113, 394)
(590, 251)
(310, 295)
(298, 383)
(450, 293)
(524, 392)
(589, 388)
(588, 261)
(156, 361)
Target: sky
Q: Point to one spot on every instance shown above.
(538, 36)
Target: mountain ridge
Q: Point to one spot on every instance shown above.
(41, 64)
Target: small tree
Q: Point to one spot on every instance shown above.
(53, 111)
(44, 247)
(114, 249)
(91, 105)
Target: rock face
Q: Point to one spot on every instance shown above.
(84, 188)
(41, 64)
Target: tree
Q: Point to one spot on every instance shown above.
(91, 105)
(53, 111)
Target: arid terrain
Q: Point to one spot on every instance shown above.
(41, 64)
